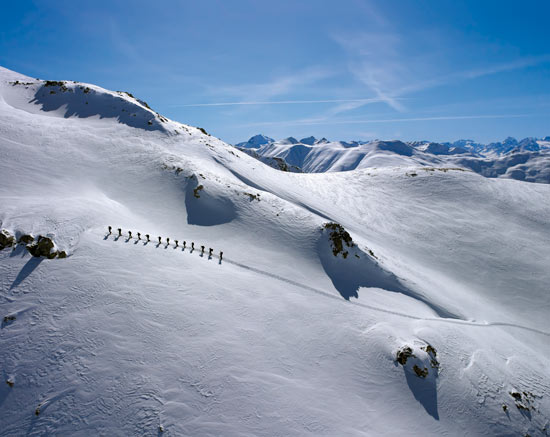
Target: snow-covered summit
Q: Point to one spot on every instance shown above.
(255, 142)
(74, 99)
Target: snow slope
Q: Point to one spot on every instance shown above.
(126, 337)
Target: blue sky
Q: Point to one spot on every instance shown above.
(438, 70)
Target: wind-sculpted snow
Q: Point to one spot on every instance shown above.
(124, 337)
(207, 207)
(360, 270)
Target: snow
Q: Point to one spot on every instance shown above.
(122, 336)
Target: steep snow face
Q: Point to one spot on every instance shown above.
(434, 320)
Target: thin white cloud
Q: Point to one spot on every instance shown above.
(346, 104)
(516, 64)
(308, 122)
(280, 86)
(382, 62)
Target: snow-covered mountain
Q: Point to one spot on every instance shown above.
(255, 142)
(527, 160)
(397, 300)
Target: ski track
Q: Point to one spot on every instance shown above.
(363, 305)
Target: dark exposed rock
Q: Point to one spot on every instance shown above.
(339, 237)
(6, 239)
(421, 373)
(26, 239)
(253, 196)
(404, 354)
(43, 247)
(196, 191)
(432, 353)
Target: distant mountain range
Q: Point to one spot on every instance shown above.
(527, 159)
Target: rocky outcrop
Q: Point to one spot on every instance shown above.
(340, 239)
(42, 246)
(6, 239)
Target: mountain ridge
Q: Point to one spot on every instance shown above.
(526, 160)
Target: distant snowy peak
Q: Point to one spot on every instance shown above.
(289, 140)
(509, 145)
(442, 149)
(395, 146)
(255, 142)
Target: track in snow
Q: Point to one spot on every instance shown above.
(374, 308)
(360, 304)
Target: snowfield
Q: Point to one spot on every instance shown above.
(434, 323)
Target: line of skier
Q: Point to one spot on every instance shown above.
(148, 239)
